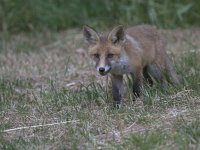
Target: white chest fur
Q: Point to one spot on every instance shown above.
(121, 66)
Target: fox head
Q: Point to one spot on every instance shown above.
(104, 49)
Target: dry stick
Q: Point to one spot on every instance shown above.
(184, 52)
(41, 125)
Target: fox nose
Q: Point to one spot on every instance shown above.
(101, 69)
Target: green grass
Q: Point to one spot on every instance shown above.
(28, 15)
(184, 135)
(148, 140)
(47, 79)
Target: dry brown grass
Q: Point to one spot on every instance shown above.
(38, 70)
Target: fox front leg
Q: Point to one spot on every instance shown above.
(117, 89)
(138, 82)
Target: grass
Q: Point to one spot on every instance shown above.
(47, 79)
(26, 15)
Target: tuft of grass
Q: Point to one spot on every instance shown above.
(145, 141)
(186, 134)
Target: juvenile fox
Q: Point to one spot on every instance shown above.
(138, 51)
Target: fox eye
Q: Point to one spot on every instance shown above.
(110, 55)
(96, 55)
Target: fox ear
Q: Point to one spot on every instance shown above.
(90, 34)
(117, 34)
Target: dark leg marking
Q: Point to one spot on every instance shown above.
(138, 82)
(117, 89)
(137, 85)
(147, 77)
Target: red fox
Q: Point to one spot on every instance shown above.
(139, 51)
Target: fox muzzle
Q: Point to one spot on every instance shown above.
(103, 70)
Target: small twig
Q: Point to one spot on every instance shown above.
(71, 84)
(56, 43)
(130, 126)
(185, 52)
(41, 125)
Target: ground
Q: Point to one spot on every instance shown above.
(51, 97)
